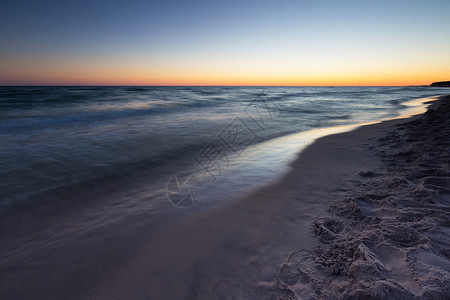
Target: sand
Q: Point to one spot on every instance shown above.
(361, 215)
(389, 238)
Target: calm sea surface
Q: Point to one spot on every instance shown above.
(57, 139)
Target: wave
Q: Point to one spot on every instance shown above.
(55, 136)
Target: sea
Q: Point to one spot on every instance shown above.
(168, 148)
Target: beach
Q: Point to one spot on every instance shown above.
(388, 238)
(360, 214)
(247, 150)
(385, 235)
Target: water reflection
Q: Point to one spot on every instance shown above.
(269, 160)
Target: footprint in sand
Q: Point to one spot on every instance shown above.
(386, 261)
(296, 267)
(327, 229)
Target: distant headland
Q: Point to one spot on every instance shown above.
(441, 84)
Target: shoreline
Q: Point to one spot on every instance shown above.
(389, 237)
(246, 250)
(48, 201)
(249, 249)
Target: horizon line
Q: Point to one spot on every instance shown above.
(200, 85)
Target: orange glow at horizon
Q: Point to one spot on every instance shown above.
(130, 78)
(235, 73)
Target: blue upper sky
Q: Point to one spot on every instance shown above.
(229, 41)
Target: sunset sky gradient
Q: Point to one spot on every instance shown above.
(224, 42)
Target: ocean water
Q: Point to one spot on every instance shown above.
(56, 139)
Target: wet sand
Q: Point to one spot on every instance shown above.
(272, 244)
(361, 214)
(385, 234)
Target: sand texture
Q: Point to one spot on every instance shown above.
(390, 237)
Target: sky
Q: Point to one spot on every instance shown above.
(224, 42)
